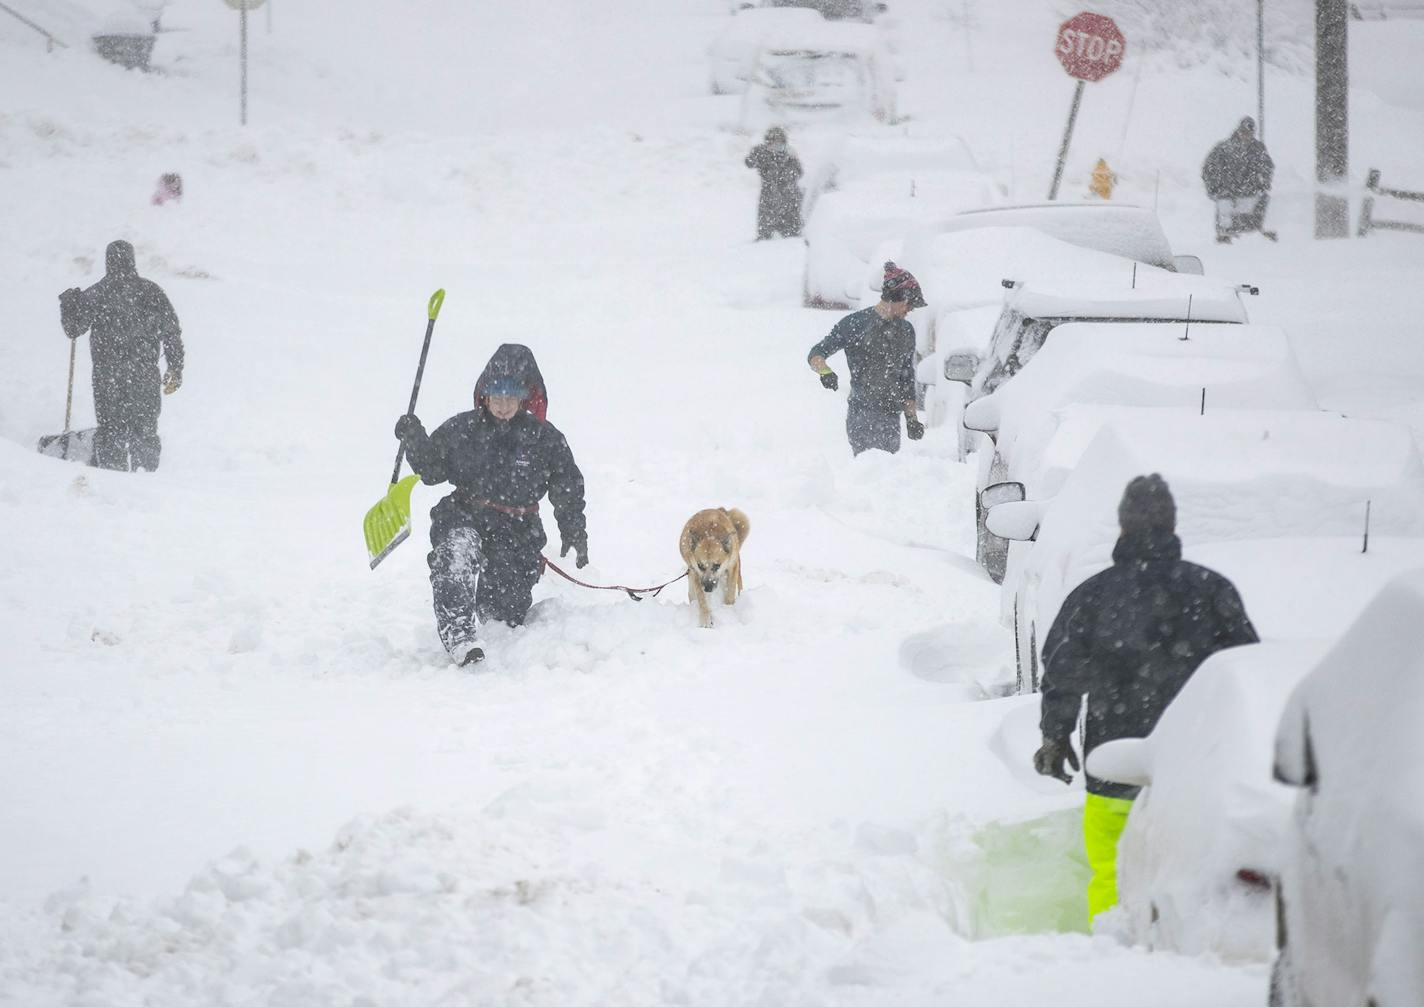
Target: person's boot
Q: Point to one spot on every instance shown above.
(466, 654)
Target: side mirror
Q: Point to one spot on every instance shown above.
(1190, 264)
(982, 415)
(1016, 521)
(961, 367)
(1002, 493)
(1127, 761)
(1295, 764)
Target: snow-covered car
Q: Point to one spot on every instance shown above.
(846, 226)
(732, 57)
(1133, 292)
(850, 10)
(1235, 475)
(865, 153)
(1144, 365)
(1351, 894)
(841, 74)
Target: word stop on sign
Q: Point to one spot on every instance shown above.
(1094, 48)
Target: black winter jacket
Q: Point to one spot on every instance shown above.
(130, 318)
(512, 464)
(1238, 166)
(880, 355)
(1129, 638)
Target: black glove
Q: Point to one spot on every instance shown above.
(1049, 759)
(409, 429)
(829, 380)
(914, 429)
(580, 548)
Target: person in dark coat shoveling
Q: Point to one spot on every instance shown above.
(879, 345)
(486, 537)
(779, 208)
(130, 321)
(1129, 638)
(1237, 175)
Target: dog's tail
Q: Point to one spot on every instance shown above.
(739, 522)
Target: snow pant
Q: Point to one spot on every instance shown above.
(1239, 214)
(779, 212)
(127, 401)
(871, 426)
(1103, 821)
(483, 568)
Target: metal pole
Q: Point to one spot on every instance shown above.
(1067, 139)
(242, 50)
(1261, 69)
(1332, 118)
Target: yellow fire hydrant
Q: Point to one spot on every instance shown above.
(1103, 180)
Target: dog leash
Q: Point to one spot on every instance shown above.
(636, 593)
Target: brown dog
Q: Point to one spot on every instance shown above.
(712, 548)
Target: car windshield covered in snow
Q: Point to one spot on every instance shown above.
(810, 77)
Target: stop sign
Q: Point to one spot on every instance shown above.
(1089, 46)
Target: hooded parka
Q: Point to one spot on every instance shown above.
(486, 536)
(779, 207)
(130, 321)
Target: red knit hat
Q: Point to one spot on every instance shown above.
(900, 285)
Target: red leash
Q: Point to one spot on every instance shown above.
(636, 593)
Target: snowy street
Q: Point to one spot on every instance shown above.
(237, 767)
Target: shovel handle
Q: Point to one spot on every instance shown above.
(69, 397)
(437, 299)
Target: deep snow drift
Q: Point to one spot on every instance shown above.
(801, 806)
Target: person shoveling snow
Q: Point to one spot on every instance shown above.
(130, 321)
(486, 536)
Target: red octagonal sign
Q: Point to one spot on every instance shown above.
(1089, 46)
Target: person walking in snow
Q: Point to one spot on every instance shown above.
(1129, 638)
(486, 537)
(1237, 174)
(779, 208)
(130, 321)
(879, 346)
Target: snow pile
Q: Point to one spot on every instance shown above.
(1220, 33)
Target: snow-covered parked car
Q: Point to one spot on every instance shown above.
(732, 57)
(864, 153)
(847, 225)
(1235, 474)
(840, 74)
(849, 10)
(1143, 365)
(1351, 909)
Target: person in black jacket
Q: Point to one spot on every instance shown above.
(486, 537)
(1237, 175)
(131, 320)
(1129, 638)
(879, 346)
(779, 208)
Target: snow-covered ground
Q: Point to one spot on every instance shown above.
(809, 804)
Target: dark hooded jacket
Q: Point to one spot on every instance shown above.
(1238, 166)
(510, 464)
(130, 318)
(1130, 638)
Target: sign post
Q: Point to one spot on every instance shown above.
(1090, 47)
(242, 7)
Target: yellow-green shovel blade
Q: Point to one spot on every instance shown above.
(387, 524)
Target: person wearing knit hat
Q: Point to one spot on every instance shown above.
(486, 537)
(879, 347)
(1129, 638)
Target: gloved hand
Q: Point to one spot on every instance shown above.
(1049, 759)
(914, 429)
(829, 380)
(580, 548)
(409, 429)
(172, 381)
(64, 298)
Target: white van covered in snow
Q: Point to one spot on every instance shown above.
(839, 74)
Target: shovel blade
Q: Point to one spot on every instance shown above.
(387, 524)
(72, 446)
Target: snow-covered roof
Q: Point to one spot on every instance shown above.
(873, 209)
(830, 37)
(1131, 232)
(871, 153)
(772, 25)
(1143, 365)
(1134, 291)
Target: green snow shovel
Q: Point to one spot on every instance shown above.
(387, 524)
